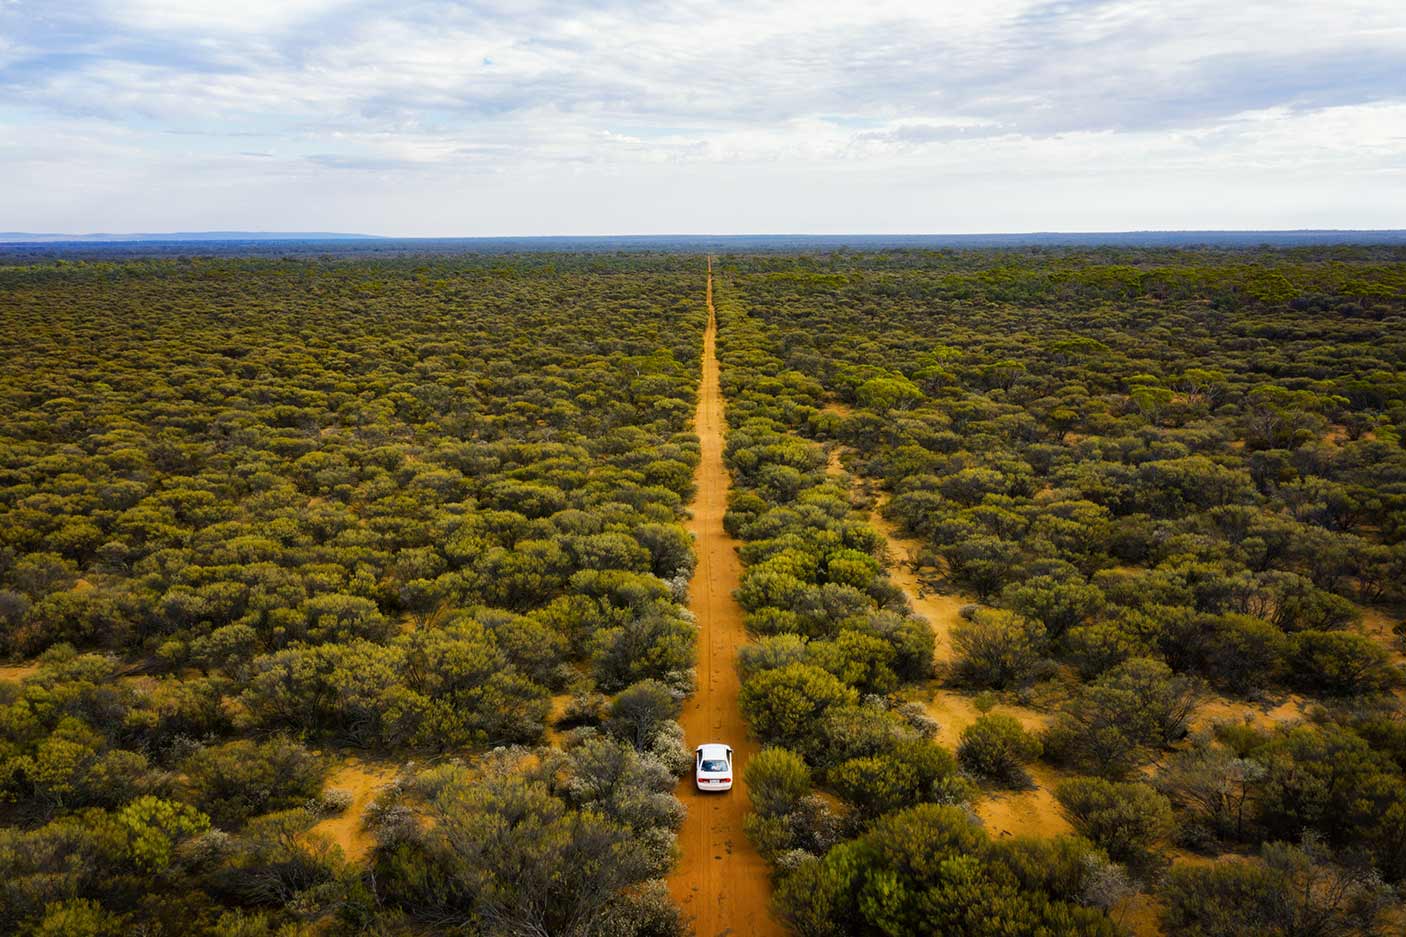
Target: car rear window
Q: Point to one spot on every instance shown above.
(713, 764)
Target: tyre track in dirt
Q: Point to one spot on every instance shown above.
(721, 882)
(1031, 812)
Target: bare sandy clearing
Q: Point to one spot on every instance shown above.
(17, 672)
(1260, 716)
(362, 780)
(1025, 813)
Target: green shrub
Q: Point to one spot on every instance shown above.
(998, 649)
(784, 706)
(777, 780)
(1341, 663)
(1127, 819)
(997, 747)
(936, 873)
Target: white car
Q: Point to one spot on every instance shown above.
(712, 764)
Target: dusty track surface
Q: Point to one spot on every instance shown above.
(16, 672)
(941, 611)
(363, 781)
(721, 881)
(1033, 812)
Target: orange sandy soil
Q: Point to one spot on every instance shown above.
(363, 780)
(1025, 813)
(1033, 812)
(1220, 709)
(554, 735)
(17, 672)
(721, 882)
(1377, 623)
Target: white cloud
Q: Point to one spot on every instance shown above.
(459, 106)
(248, 17)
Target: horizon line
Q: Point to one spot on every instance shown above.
(54, 237)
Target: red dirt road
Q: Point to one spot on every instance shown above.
(721, 881)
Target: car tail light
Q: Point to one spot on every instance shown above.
(727, 780)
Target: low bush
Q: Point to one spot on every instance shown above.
(997, 747)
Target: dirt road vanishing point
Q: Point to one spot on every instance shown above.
(721, 881)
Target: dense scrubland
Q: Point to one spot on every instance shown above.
(258, 515)
(1173, 486)
(262, 520)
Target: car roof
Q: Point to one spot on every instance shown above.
(713, 749)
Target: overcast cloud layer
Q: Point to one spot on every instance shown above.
(522, 117)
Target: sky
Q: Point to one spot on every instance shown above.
(445, 118)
